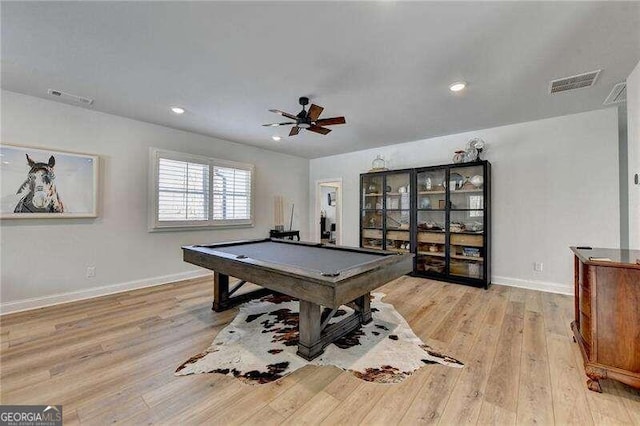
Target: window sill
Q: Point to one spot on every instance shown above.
(198, 228)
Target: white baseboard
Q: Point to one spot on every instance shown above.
(41, 302)
(534, 285)
(55, 299)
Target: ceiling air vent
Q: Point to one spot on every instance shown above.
(70, 98)
(618, 94)
(579, 81)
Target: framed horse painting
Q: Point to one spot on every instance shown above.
(38, 183)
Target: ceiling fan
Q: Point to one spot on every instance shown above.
(307, 119)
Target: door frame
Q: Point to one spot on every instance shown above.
(336, 183)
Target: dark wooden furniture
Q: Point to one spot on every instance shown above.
(440, 213)
(607, 314)
(325, 234)
(318, 275)
(273, 233)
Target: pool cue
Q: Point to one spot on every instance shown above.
(291, 221)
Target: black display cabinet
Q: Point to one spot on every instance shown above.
(439, 213)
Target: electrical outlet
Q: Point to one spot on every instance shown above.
(537, 267)
(91, 271)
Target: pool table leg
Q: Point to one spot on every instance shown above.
(313, 338)
(222, 299)
(220, 291)
(363, 305)
(309, 344)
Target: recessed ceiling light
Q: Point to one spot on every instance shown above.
(276, 138)
(457, 86)
(177, 110)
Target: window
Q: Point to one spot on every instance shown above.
(192, 191)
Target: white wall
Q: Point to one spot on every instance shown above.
(47, 259)
(555, 184)
(633, 141)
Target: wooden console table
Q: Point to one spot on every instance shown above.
(284, 234)
(607, 314)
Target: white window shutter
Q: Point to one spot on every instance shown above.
(183, 191)
(196, 192)
(231, 193)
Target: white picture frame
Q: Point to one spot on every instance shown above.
(41, 183)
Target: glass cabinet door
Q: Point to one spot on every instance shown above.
(397, 199)
(372, 205)
(466, 221)
(431, 217)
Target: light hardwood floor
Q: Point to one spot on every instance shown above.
(112, 360)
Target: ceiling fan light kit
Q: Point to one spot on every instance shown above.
(308, 120)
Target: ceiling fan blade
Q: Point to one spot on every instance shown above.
(285, 114)
(318, 129)
(314, 112)
(279, 124)
(294, 131)
(330, 121)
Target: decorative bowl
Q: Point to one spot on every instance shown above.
(477, 181)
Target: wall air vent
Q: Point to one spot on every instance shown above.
(70, 98)
(618, 94)
(579, 81)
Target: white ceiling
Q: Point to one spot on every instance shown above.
(386, 66)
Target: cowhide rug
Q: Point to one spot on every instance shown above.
(259, 345)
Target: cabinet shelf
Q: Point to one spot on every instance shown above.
(446, 206)
(468, 258)
(397, 250)
(453, 256)
(466, 191)
(432, 253)
(431, 192)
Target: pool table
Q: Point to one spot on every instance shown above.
(322, 277)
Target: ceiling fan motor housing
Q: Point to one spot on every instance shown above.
(303, 120)
(308, 120)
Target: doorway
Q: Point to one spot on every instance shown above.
(328, 211)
